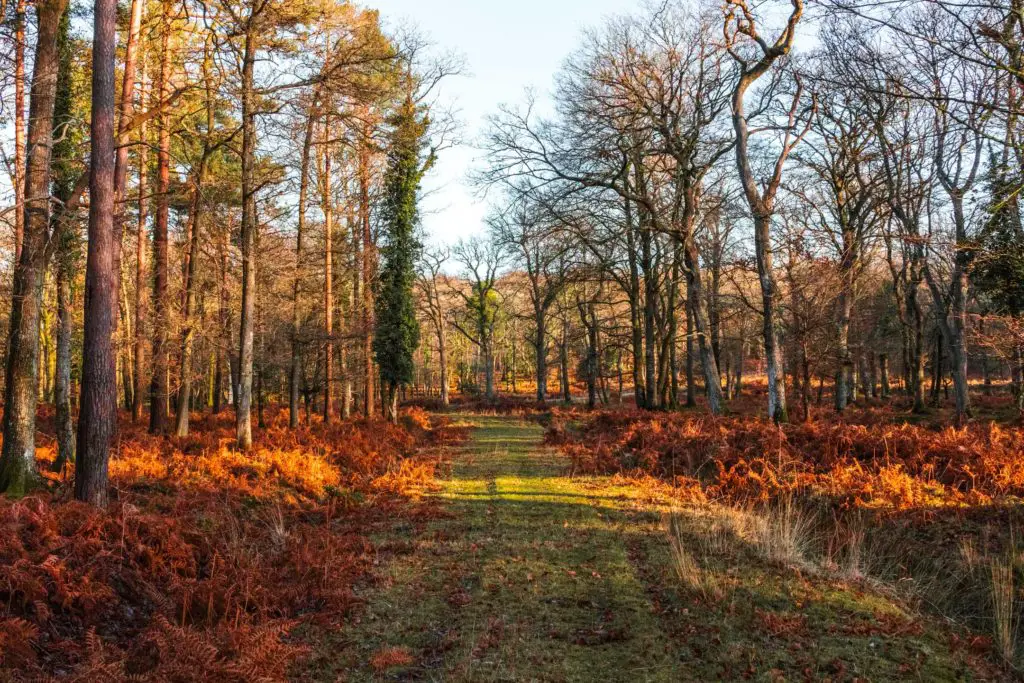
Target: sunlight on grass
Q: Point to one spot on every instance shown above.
(528, 574)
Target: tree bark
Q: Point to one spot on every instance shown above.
(187, 330)
(295, 377)
(540, 348)
(368, 255)
(243, 418)
(97, 420)
(62, 385)
(140, 274)
(224, 321)
(19, 129)
(17, 457)
(761, 201)
(158, 386)
(696, 298)
(328, 209)
(769, 295)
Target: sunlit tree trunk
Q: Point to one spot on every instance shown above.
(761, 202)
(243, 420)
(295, 375)
(97, 420)
(19, 128)
(368, 255)
(158, 386)
(327, 198)
(17, 458)
(67, 250)
(223, 321)
(191, 258)
(141, 284)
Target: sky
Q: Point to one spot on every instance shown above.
(508, 46)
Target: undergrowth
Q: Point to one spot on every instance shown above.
(207, 559)
(874, 500)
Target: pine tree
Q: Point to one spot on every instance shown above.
(397, 330)
(999, 269)
(998, 273)
(65, 168)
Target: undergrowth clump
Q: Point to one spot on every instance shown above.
(744, 459)
(925, 511)
(207, 558)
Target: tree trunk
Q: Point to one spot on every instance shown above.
(1018, 375)
(17, 458)
(650, 313)
(158, 387)
(695, 300)
(19, 129)
(769, 293)
(223, 320)
(127, 110)
(328, 209)
(639, 390)
(540, 348)
(488, 358)
(62, 387)
(589, 318)
(391, 402)
(368, 275)
(845, 306)
(442, 352)
(243, 418)
(916, 365)
(563, 362)
(187, 331)
(140, 277)
(691, 390)
(296, 362)
(97, 420)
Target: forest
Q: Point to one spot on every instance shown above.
(728, 384)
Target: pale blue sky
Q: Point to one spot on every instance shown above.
(508, 46)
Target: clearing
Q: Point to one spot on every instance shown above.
(526, 573)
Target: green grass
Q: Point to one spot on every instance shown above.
(533, 576)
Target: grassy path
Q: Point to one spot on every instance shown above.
(529, 575)
(527, 578)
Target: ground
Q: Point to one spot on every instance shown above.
(526, 573)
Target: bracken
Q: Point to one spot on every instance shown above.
(207, 558)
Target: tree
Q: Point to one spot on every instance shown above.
(537, 240)
(480, 262)
(397, 330)
(844, 189)
(64, 170)
(435, 307)
(17, 458)
(741, 31)
(97, 420)
(158, 393)
(999, 269)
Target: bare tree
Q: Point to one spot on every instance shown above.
(537, 241)
(481, 262)
(757, 57)
(433, 304)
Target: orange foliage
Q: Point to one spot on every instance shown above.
(391, 658)
(742, 459)
(207, 558)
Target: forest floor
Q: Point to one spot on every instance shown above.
(526, 573)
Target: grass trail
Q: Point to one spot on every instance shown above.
(530, 575)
